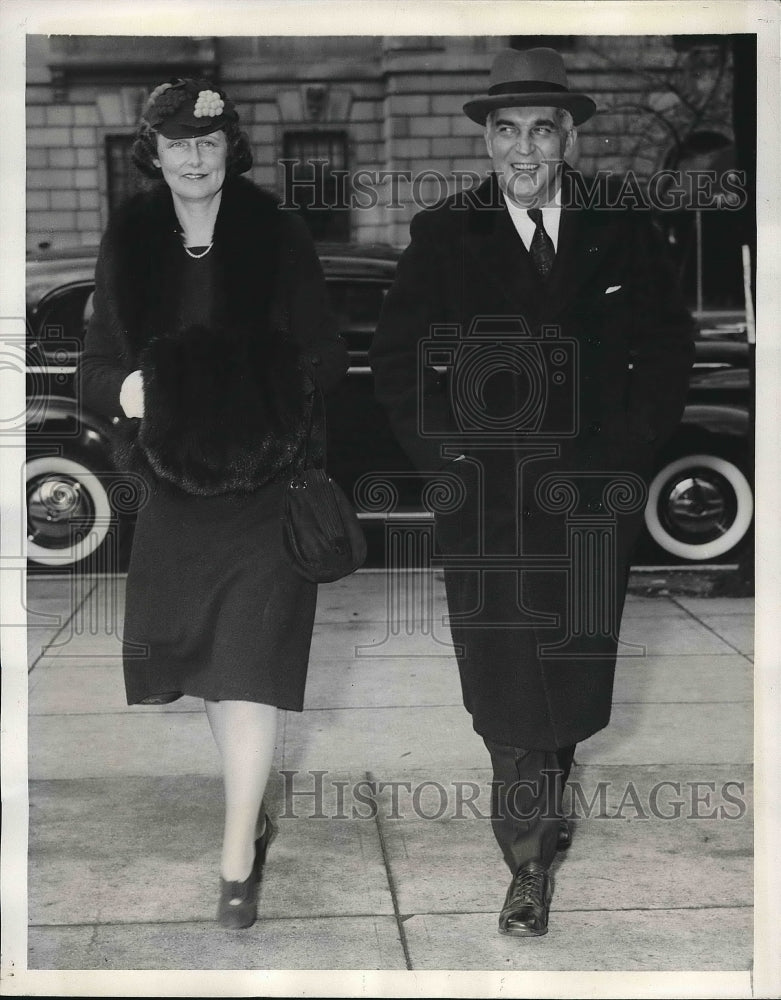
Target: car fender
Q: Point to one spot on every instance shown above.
(723, 421)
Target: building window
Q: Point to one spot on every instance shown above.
(122, 176)
(315, 170)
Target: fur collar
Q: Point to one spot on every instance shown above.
(149, 261)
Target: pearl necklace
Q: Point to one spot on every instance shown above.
(197, 256)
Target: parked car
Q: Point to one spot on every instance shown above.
(701, 505)
(80, 510)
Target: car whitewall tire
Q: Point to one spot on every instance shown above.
(66, 489)
(724, 494)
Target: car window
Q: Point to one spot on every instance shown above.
(357, 307)
(62, 320)
(716, 266)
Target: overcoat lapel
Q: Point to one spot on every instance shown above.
(585, 234)
(496, 254)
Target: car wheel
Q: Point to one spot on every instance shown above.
(699, 507)
(69, 516)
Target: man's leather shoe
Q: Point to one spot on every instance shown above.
(564, 835)
(526, 906)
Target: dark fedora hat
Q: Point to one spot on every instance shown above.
(186, 108)
(534, 78)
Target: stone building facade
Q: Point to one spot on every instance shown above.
(384, 113)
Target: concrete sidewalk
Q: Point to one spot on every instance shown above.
(384, 858)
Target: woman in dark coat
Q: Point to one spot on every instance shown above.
(210, 329)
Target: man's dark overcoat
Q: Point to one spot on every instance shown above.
(558, 392)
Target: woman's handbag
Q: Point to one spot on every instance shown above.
(320, 529)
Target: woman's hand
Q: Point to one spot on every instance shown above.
(131, 395)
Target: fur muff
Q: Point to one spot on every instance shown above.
(224, 413)
(225, 401)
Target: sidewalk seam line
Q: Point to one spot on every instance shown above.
(391, 882)
(712, 630)
(59, 632)
(426, 913)
(145, 776)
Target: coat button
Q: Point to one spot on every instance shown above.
(595, 427)
(527, 513)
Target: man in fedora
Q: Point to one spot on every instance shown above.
(533, 353)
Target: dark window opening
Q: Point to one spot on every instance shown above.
(315, 169)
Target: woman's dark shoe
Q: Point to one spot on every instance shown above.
(238, 902)
(238, 907)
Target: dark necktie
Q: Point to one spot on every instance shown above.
(542, 249)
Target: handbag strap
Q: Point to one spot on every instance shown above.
(316, 431)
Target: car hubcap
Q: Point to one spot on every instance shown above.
(57, 509)
(698, 508)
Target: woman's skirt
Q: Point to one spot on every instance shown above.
(213, 607)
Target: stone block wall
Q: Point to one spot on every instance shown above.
(398, 101)
(63, 186)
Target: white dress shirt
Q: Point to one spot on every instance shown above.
(551, 216)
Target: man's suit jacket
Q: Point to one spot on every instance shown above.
(582, 375)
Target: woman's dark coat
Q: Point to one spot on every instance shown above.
(225, 396)
(538, 391)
